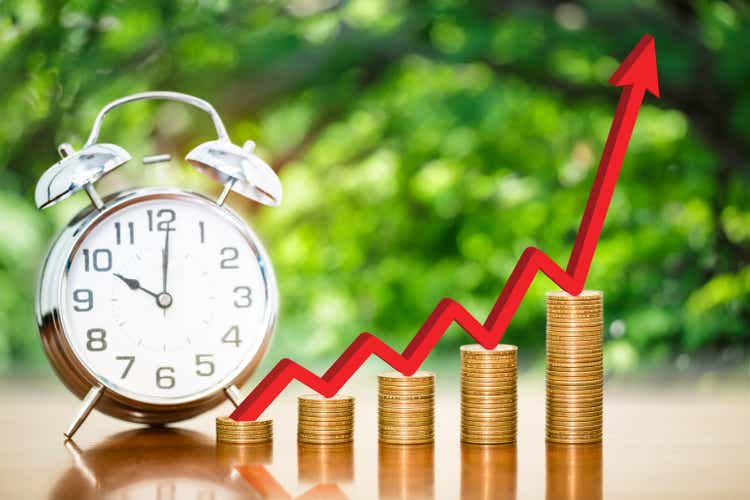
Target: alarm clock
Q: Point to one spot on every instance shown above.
(154, 304)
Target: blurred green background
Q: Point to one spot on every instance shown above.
(422, 146)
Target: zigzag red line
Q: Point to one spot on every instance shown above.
(636, 74)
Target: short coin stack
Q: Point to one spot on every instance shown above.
(574, 367)
(322, 420)
(488, 394)
(406, 408)
(236, 432)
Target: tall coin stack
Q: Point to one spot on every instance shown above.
(323, 420)
(406, 408)
(574, 367)
(488, 394)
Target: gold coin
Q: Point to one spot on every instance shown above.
(489, 424)
(338, 399)
(565, 411)
(574, 391)
(487, 401)
(490, 431)
(312, 440)
(564, 312)
(406, 393)
(559, 337)
(326, 425)
(427, 396)
(489, 434)
(388, 440)
(498, 350)
(407, 418)
(399, 387)
(474, 440)
(584, 295)
(575, 338)
(406, 435)
(573, 427)
(416, 376)
(489, 415)
(489, 385)
(589, 403)
(578, 373)
(489, 410)
(597, 391)
(406, 410)
(581, 382)
(484, 371)
(553, 417)
(475, 391)
(566, 307)
(490, 405)
(562, 414)
(575, 434)
(573, 362)
(574, 352)
(406, 403)
(325, 414)
(509, 378)
(590, 320)
(576, 370)
(329, 415)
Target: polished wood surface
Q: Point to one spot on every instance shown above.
(659, 443)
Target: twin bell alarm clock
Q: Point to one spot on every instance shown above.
(154, 304)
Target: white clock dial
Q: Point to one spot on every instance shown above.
(166, 299)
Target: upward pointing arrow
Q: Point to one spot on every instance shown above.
(636, 75)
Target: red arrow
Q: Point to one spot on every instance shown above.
(637, 74)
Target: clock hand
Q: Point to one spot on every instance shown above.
(134, 284)
(165, 260)
(165, 265)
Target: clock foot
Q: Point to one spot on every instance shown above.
(233, 394)
(92, 397)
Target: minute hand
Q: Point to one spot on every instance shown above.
(165, 261)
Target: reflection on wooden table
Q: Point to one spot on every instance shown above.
(406, 470)
(171, 464)
(165, 463)
(574, 471)
(488, 471)
(325, 463)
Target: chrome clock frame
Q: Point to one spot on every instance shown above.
(96, 390)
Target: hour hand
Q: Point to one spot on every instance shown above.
(134, 284)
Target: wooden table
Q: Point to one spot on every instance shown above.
(659, 443)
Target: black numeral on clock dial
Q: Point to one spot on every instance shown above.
(162, 220)
(232, 336)
(96, 339)
(230, 256)
(165, 377)
(129, 232)
(84, 299)
(99, 260)
(204, 365)
(129, 364)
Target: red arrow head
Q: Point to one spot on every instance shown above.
(639, 67)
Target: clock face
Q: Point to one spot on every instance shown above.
(167, 299)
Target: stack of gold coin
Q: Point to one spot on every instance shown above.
(251, 432)
(322, 420)
(488, 394)
(574, 367)
(406, 408)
